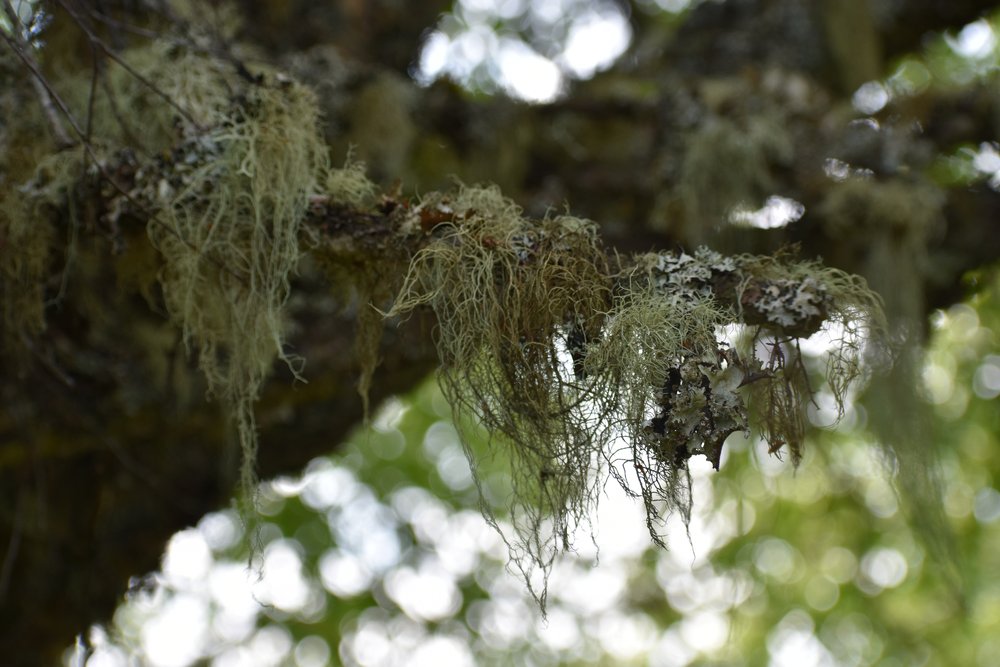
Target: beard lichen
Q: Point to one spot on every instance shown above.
(509, 295)
(229, 237)
(748, 149)
(578, 373)
(664, 385)
(28, 238)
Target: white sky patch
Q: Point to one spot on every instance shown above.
(428, 593)
(442, 650)
(328, 486)
(793, 643)
(344, 574)
(312, 651)
(283, 584)
(504, 9)
(560, 632)
(585, 589)
(433, 57)
(595, 40)
(176, 635)
(871, 97)
(777, 212)
(976, 40)
(235, 609)
(882, 568)
(987, 161)
(270, 646)
(550, 11)
(626, 637)
(470, 46)
(220, 530)
(986, 381)
(705, 631)
(526, 74)
(188, 559)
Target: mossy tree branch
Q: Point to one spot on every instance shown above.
(89, 483)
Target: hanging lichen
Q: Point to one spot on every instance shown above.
(229, 236)
(664, 380)
(578, 373)
(708, 190)
(27, 240)
(364, 274)
(508, 294)
(852, 318)
(892, 223)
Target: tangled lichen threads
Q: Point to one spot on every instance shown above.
(229, 236)
(838, 304)
(579, 373)
(505, 292)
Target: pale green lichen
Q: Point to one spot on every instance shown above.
(728, 164)
(893, 223)
(27, 244)
(350, 185)
(506, 291)
(229, 236)
(577, 373)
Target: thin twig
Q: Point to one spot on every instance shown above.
(99, 43)
(22, 49)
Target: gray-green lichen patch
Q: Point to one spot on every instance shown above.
(560, 359)
(228, 231)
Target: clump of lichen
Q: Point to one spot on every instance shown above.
(350, 185)
(149, 96)
(580, 373)
(27, 240)
(663, 380)
(229, 236)
(727, 164)
(510, 296)
(828, 300)
(24, 264)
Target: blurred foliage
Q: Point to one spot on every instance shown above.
(378, 555)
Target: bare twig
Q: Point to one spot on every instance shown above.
(99, 43)
(15, 40)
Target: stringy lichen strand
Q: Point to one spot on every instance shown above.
(577, 373)
(229, 237)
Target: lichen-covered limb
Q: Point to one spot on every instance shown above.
(561, 357)
(561, 349)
